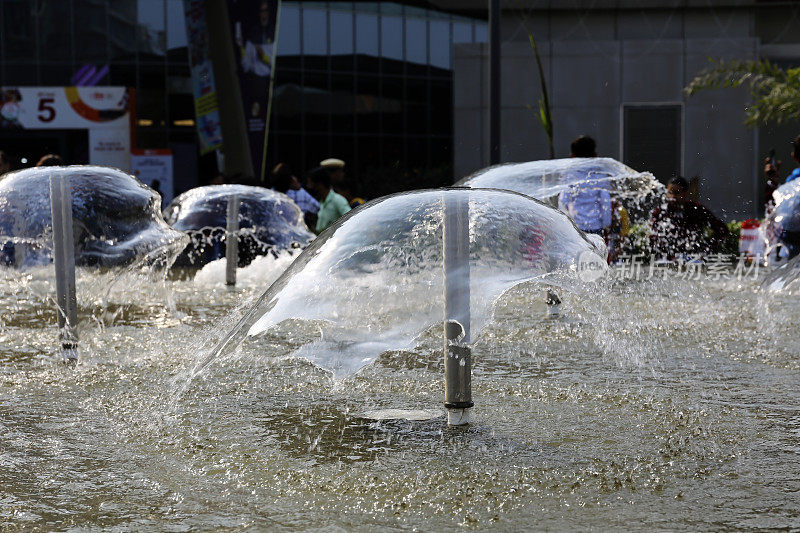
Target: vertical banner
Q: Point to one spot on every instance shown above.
(253, 27)
(206, 111)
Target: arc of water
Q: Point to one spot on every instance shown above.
(64, 263)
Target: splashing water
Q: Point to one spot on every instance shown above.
(374, 282)
(665, 402)
(116, 218)
(269, 222)
(545, 180)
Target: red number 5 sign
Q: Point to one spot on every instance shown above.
(46, 110)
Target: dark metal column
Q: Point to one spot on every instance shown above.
(494, 82)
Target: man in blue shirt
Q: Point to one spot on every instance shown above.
(587, 201)
(284, 181)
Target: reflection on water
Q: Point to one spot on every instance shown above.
(670, 403)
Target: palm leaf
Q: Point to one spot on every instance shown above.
(775, 91)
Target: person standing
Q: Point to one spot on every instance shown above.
(335, 168)
(678, 228)
(283, 180)
(586, 201)
(331, 204)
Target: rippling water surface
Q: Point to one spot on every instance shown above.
(669, 404)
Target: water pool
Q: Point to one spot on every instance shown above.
(660, 404)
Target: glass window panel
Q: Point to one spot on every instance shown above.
(392, 105)
(56, 75)
(55, 39)
(289, 31)
(181, 110)
(441, 107)
(151, 138)
(315, 32)
(416, 41)
(176, 25)
(440, 43)
(18, 36)
(122, 30)
(20, 75)
(316, 102)
(392, 37)
(152, 29)
(151, 96)
(462, 32)
(343, 103)
(441, 161)
(367, 34)
(481, 33)
(391, 8)
(317, 149)
(121, 74)
(341, 33)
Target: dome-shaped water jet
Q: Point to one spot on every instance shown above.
(116, 217)
(546, 179)
(267, 221)
(391, 270)
(783, 221)
(81, 215)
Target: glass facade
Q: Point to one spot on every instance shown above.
(367, 82)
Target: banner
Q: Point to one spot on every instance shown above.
(206, 112)
(253, 26)
(154, 169)
(104, 111)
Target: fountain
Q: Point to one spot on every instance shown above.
(665, 402)
(367, 284)
(783, 221)
(86, 216)
(268, 222)
(546, 179)
(116, 219)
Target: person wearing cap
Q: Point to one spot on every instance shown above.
(331, 204)
(335, 168)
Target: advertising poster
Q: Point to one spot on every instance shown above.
(104, 111)
(206, 112)
(253, 26)
(154, 169)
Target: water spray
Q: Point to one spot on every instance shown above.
(457, 352)
(64, 262)
(232, 240)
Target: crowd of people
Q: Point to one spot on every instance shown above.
(329, 198)
(323, 196)
(679, 227)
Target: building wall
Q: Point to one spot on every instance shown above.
(597, 62)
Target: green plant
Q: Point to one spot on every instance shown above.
(638, 242)
(545, 116)
(730, 245)
(775, 91)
